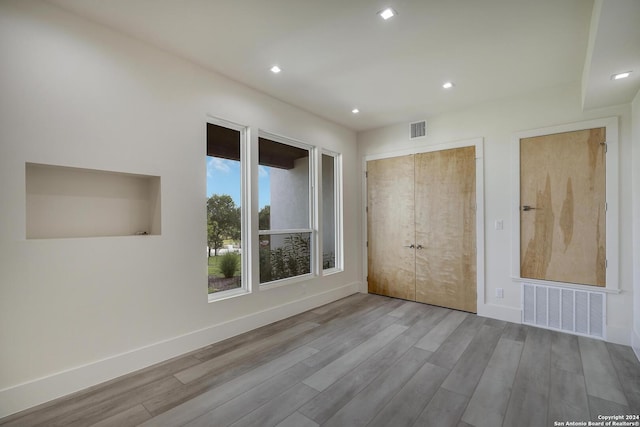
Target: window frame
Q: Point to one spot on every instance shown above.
(249, 195)
(337, 213)
(245, 235)
(313, 215)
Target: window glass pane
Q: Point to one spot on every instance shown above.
(328, 212)
(284, 185)
(285, 255)
(223, 208)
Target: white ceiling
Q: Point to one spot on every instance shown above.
(614, 48)
(338, 54)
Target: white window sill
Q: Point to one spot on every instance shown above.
(287, 281)
(224, 295)
(330, 271)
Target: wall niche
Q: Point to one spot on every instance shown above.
(67, 202)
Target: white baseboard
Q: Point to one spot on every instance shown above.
(364, 288)
(635, 343)
(618, 335)
(26, 395)
(500, 312)
(511, 314)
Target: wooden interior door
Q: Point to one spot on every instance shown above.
(445, 205)
(390, 227)
(562, 207)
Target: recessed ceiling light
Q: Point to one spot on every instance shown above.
(621, 75)
(275, 69)
(448, 85)
(387, 13)
(355, 111)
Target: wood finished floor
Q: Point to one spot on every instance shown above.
(368, 360)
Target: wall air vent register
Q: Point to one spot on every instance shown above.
(418, 129)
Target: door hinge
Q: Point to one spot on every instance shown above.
(366, 174)
(606, 206)
(606, 263)
(606, 147)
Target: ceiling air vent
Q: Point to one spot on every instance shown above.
(418, 129)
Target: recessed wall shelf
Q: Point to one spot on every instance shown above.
(65, 202)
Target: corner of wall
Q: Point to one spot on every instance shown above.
(635, 343)
(635, 194)
(619, 335)
(593, 31)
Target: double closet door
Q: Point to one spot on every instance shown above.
(421, 227)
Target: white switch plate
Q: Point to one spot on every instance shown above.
(499, 293)
(499, 224)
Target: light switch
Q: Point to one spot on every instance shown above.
(499, 224)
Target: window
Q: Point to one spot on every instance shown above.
(285, 214)
(291, 209)
(331, 208)
(224, 207)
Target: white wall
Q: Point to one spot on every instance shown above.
(75, 312)
(496, 122)
(635, 121)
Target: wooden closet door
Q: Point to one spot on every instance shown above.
(562, 207)
(446, 228)
(390, 227)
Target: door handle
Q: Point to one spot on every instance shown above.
(419, 247)
(410, 246)
(527, 208)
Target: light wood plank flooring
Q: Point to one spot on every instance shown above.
(368, 360)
